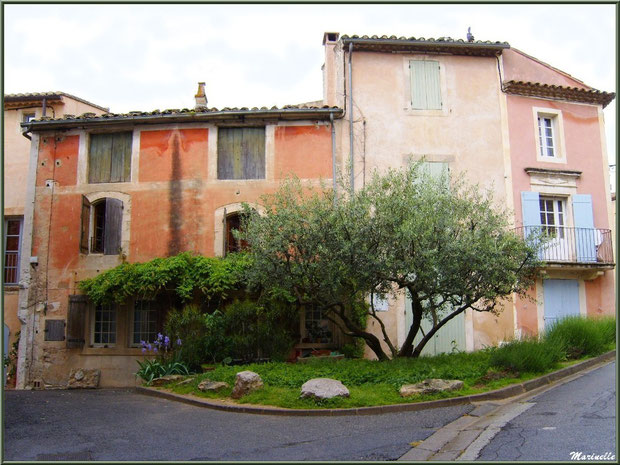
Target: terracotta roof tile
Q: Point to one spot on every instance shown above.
(572, 94)
(50, 94)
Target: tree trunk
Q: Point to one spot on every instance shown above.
(418, 350)
(416, 305)
(354, 330)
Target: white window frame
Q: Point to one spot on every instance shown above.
(557, 135)
(114, 309)
(153, 308)
(559, 217)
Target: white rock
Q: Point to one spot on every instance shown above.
(246, 382)
(429, 386)
(323, 388)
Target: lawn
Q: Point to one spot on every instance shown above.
(373, 383)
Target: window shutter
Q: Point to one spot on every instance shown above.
(76, 318)
(120, 165)
(113, 220)
(54, 330)
(241, 153)
(99, 159)
(530, 206)
(585, 234)
(84, 234)
(433, 88)
(253, 154)
(425, 85)
(530, 209)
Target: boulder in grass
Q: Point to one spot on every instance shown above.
(246, 382)
(166, 379)
(212, 386)
(323, 388)
(430, 386)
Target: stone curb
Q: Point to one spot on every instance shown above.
(503, 393)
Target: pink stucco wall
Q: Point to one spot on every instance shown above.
(519, 66)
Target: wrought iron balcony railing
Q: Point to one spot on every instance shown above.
(573, 245)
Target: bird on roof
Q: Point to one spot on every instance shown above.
(470, 36)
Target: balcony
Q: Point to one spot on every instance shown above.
(583, 248)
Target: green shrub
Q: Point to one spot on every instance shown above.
(258, 331)
(190, 326)
(527, 355)
(354, 350)
(579, 336)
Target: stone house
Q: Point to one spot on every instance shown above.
(147, 184)
(18, 109)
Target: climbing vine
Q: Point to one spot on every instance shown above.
(185, 274)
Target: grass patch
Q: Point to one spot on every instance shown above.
(374, 383)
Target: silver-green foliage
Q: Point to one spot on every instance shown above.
(445, 242)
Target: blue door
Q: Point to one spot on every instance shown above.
(561, 299)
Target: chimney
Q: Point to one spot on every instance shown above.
(201, 97)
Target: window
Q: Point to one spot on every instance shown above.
(27, 117)
(241, 153)
(12, 242)
(232, 244)
(101, 226)
(145, 321)
(552, 218)
(425, 85)
(546, 136)
(109, 157)
(317, 328)
(104, 326)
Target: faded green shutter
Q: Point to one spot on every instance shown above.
(109, 157)
(112, 232)
(425, 85)
(121, 157)
(84, 233)
(76, 317)
(99, 158)
(241, 153)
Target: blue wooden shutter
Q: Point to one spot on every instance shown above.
(585, 234)
(530, 207)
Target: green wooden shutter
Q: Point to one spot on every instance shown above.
(109, 157)
(112, 231)
(120, 165)
(99, 158)
(76, 317)
(425, 85)
(84, 233)
(241, 153)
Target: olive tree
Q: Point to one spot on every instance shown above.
(447, 244)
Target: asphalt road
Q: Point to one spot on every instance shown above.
(578, 417)
(108, 424)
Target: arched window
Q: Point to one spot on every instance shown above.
(101, 226)
(233, 222)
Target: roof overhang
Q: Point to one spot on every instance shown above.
(225, 116)
(412, 45)
(571, 94)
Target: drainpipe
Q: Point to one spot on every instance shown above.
(351, 117)
(44, 106)
(331, 120)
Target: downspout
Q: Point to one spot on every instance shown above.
(44, 106)
(351, 117)
(331, 120)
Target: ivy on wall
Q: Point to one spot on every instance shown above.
(185, 274)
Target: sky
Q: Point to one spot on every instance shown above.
(146, 57)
